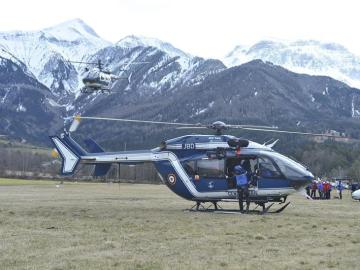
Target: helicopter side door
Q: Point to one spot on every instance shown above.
(248, 163)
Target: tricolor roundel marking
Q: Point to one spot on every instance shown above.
(171, 179)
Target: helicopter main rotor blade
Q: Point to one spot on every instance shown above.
(81, 62)
(193, 127)
(228, 127)
(137, 62)
(134, 121)
(96, 63)
(292, 132)
(251, 126)
(77, 119)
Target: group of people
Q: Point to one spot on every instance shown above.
(323, 188)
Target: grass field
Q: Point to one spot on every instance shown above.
(131, 226)
(21, 182)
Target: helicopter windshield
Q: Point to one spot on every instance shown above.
(267, 168)
(289, 167)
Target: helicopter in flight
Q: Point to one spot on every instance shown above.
(99, 79)
(199, 167)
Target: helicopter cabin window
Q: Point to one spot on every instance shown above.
(211, 168)
(190, 167)
(267, 168)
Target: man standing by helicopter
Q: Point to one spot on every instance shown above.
(242, 185)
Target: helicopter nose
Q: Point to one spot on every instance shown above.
(302, 182)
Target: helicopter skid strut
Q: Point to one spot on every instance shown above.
(200, 207)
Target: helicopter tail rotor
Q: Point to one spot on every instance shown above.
(75, 123)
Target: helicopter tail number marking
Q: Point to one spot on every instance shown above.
(188, 146)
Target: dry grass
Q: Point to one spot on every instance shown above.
(21, 182)
(111, 226)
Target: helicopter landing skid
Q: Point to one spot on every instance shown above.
(199, 207)
(86, 90)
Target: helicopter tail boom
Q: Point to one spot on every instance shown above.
(72, 154)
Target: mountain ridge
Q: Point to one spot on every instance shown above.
(170, 85)
(302, 56)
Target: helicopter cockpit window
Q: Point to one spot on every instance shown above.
(92, 74)
(288, 167)
(267, 168)
(211, 168)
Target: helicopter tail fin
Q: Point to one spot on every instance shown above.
(70, 152)
(92, 146)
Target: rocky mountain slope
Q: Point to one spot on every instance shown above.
(253, 93)
(26, 106)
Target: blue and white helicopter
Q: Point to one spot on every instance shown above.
(199, 167)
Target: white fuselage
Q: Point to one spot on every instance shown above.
(356, 195)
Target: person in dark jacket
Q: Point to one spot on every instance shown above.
(340, 188)
(320, 189)
(242, 185)
(313, 190)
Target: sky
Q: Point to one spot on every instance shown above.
(207, 28)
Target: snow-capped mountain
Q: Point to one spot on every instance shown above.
(167, 66)
(136, 41)
(46, 52)
(5, 55)
(304, 56)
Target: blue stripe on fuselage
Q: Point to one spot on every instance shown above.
(264, 183)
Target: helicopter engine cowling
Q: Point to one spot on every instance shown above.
(238, 142)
